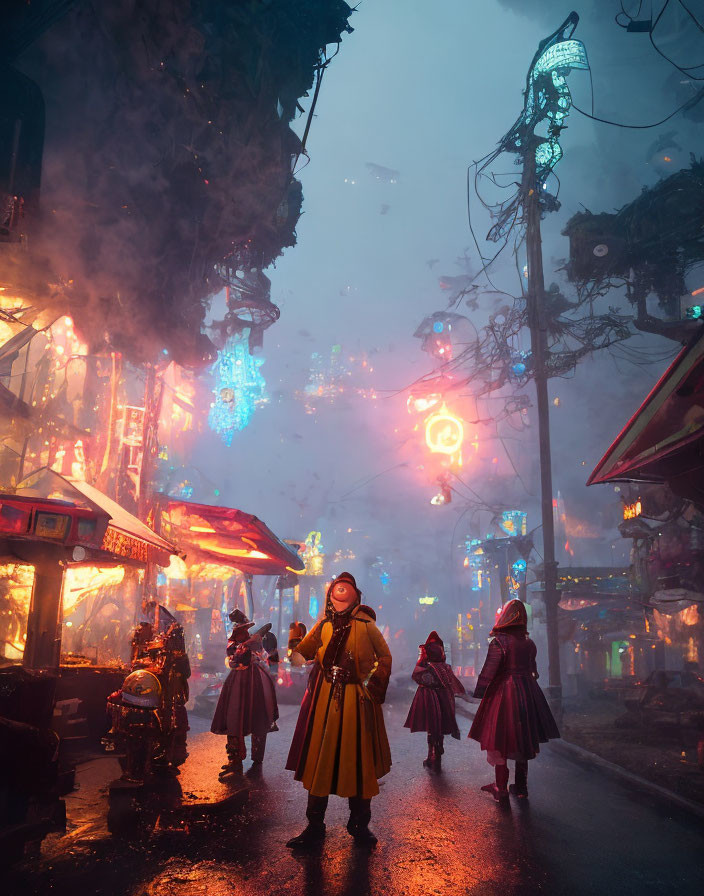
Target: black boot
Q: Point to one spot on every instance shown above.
(439, 750)
(430, 761)
(520, 788)
(233, 766)
(358, 825)
(314, 833)
(258, 748)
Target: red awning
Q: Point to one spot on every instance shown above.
(228, 537)
(664, 440)
(122, 534)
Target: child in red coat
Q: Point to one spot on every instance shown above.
(433, 707)
(513, 718)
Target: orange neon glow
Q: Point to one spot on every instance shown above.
(239, 552)
(81, 582)
(631, 511)
(698, 292)
(206, 529)
(18, 579)
(444, 432)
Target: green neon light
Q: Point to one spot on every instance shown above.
(565, 54)
(547, 98)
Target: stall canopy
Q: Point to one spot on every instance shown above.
(664, 440)
(118, 532)
(228, 537)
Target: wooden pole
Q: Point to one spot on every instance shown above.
(535, 305)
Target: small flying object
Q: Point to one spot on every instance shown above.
(381, 173)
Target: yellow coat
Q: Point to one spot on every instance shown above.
(340, 746)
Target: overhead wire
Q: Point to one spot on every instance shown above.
(686, 70)
(643, 127)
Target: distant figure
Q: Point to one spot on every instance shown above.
(433, 706)
(513, 718)
(247, 703)
(270, 649)
(340, 744)
(296, 633)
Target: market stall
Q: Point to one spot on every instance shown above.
(224, 549)
(64, 549)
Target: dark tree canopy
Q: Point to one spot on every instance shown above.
(168, 152)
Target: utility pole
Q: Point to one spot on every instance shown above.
(546, 103)
(535, 306)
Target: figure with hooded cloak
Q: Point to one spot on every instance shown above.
(513, 718)
(340, 745)
(433, 706)
(247, 703)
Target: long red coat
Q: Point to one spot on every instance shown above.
(513, 718)
(433, 706)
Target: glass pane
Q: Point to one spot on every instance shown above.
(16, 582)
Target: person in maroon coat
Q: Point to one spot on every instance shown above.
(513, 718)
(433, 706)
(247, 703)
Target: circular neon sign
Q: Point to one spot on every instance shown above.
(444, 432)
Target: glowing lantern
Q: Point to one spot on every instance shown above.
(422, 403)
(631, 511)
(313, 605)
(514, 522)
(313, 555)
(239, 388)
(444, 432)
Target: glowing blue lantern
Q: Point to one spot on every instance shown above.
(313, 605)
(239, 387)
(514, 522)
(438, 326)
(474, 561)
(520, 363)
(519, 570)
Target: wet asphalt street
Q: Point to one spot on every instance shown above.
(580, 833)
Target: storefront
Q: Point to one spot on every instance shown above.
(224, 549)
(71, 562)
(663, 443)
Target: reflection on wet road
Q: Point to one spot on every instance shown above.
(580, 833)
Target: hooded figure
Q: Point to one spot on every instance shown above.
(247, 702)
(433, 706)
(340, 744)
(513, 718)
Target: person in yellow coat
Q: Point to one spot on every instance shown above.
(340, 744)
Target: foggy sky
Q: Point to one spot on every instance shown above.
(426, 88)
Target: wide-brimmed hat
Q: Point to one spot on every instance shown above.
(260, 632)
(237, 616)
